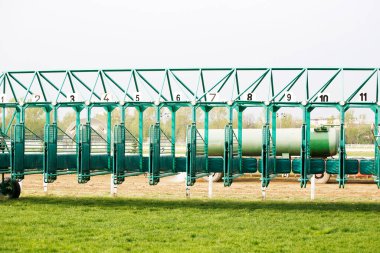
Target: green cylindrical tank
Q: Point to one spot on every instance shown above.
(323, 143)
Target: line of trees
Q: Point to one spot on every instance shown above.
(358, 130)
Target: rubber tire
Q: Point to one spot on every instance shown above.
(323, 179)
(216, 177)
(15, 188)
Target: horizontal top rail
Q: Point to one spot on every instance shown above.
(187, 86)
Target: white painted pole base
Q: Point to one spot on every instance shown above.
(263, 193)
(210, 186)
(113, 188)
(45, 187)
(312, 188)
(187, 191)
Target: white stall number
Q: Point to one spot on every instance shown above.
(107, 97)
(178, 96)
(250, 97)
(213, 97)
(137, 97)
(73, 97)
(363, 96)
(37, 97)
(323, 97)
(290, 97)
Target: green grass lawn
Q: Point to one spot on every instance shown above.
(55, 224)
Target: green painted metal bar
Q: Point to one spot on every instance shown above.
(256, 83)
(60, 88)
(377, 86)
(94, 86)
(237, 82)
(221, 80)
(289, 86)
(163, 84)
(81, 82)
(182, 83)
(342, 149)
(30, 85)
(11, 87)
(307, 84)
(40, 84)
(170, 86)
(203, 85)
(305, 146)
(225, 81)
(17, 81)
(52, 84)
(271, 82)
(150, 85)
(141, 132)
(361, 86)
(325, 86)
(102, 81)
(118, 86)
(71, 82)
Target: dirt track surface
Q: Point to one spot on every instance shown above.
(170, 188)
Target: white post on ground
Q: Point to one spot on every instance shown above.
(20, 184)
(312, 188)
(263, 193)
(210, 186)
(113, 189)
(187, 191)
(45, 185)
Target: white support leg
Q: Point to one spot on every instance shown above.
(210, 186)
(312, 188)
(263, 193)
(44, 184)
(187, 191)
(113, 189)
(45, 187)
(20, 183)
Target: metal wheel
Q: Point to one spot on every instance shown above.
(216, 177)
(322, 178)
(11, 188)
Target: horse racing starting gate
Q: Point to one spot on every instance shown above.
(119, 151)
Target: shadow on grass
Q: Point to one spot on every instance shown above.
(196, 204)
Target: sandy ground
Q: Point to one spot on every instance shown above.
(247, 188)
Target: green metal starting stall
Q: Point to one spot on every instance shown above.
(87, 150)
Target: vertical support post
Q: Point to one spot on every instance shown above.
(342, 149)
(376, 144)
(240, 136)
(47, 123)
(265, 152)
(305, 147)
(77, 137)
(141, 134)
(312, 188)
(206, 109)
(228, 149)
(274, 136)
(193, 156)
(173, 137)
(3, 119)
(109, 129)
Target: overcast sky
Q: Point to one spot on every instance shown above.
(48, 34)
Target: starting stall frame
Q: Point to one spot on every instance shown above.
(122, 153)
